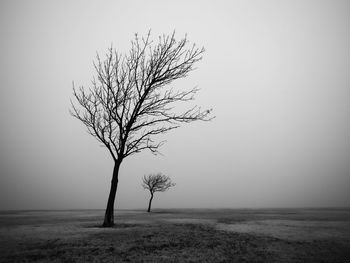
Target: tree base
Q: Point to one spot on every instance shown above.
(108, 224)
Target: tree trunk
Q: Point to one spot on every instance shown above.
(109, 215)
(149, 204)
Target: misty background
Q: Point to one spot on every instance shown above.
(276, 73)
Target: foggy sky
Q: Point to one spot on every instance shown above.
(276, 73)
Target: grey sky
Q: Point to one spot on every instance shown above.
(277, 74)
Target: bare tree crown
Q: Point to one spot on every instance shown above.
(157, 182)
(130, 102)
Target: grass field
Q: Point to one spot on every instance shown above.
(183, 235)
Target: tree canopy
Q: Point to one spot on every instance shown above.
(130, 100)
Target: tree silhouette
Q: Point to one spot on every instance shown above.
(130, 101)
(156, 183)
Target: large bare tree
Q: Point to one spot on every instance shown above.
(130, 102)
(156, 183)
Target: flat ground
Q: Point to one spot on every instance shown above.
(275, 235)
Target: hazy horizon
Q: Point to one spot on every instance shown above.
(276, 73)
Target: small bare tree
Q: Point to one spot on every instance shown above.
(156, 183)
(130, 102)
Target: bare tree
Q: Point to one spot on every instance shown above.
(130, 102)
(156, 183)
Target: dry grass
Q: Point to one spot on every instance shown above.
(177, 236)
